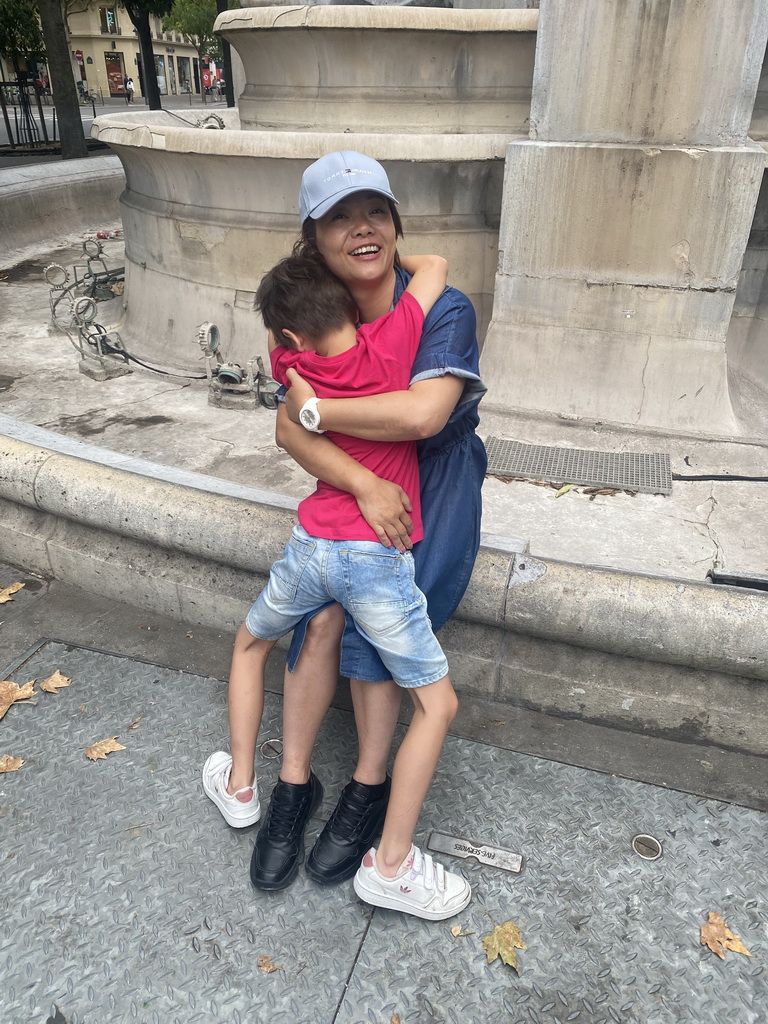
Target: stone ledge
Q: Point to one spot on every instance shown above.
(650, 618)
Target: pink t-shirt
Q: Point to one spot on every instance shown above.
(379, 362)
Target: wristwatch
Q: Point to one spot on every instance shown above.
(309, 417)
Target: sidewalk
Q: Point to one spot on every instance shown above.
(137, 902)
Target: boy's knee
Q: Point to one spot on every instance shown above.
(246, 641)
(451, 706)
(438, 701)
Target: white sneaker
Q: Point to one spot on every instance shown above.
(239, 813)
(421, 887)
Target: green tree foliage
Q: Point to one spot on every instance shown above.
(139, 12)
(196, 18)
(20, 35)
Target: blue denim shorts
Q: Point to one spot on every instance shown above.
(374, 584)
(451, 508)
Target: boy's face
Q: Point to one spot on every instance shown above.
(357, 240)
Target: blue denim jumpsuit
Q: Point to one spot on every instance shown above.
(452, 467)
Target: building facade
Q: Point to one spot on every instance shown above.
(105, 51)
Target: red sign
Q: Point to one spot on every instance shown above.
(79, 56)
(206, 78)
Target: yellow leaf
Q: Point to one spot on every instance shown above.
(563, 490)
(54, 683)
(717, 936)
(7, 593)
(10, 764)
(102, 748)
(267, 964)
(503, 941)
(11, 692)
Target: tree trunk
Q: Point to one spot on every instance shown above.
(73, 144)
(144, 35)
(229, 88)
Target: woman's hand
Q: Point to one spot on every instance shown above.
(385, 506)
(298, 393)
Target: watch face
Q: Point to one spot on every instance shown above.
(309, 418)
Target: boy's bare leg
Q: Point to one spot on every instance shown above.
(308, 692)
(389, 877)
(246, 705)
(435, 707)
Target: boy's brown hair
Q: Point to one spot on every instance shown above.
(301, 294)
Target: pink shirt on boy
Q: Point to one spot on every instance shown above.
(379, 362)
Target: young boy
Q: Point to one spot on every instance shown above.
(335, 556)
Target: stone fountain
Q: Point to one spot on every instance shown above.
(206, 212)
(587, 170)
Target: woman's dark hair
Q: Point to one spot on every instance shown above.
(301, 294)
(306, 245)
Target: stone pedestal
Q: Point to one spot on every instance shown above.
(626, 216)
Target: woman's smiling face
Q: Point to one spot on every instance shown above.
(357, 238)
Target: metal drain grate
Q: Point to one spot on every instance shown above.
(625, 471)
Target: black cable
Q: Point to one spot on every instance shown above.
(101, 336)
(722, 476)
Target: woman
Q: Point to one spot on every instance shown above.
(348, 215)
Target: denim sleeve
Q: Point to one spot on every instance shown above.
(449, 345)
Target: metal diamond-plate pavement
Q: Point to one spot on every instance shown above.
(126, 898)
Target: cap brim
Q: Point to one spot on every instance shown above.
(322, 208)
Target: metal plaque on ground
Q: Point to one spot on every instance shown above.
(623, 471)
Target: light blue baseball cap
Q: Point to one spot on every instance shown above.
(337, 175)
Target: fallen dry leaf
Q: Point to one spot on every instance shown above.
(7, 593)
(503, 941)
(10, 764)
(717, 936)
(135, 723)
(395, 1019)
(102, 748)
(12, 692)
(457, 932)
(54, 683)
(118, 287)
(267, 964)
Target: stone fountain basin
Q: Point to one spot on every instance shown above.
(389, 69)
(436, 95)
(206, 213)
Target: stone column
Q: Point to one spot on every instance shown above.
(627, 212)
